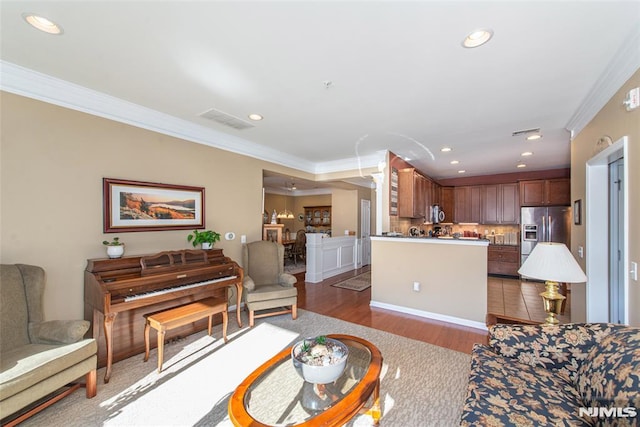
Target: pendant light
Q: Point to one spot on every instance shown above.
(286, 214)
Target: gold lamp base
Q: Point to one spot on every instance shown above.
(552, 300)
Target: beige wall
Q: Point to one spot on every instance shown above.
(52, 163)
(345, 211)
(613, 120)
(453, 277)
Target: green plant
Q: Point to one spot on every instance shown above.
(206, 236)
(319, 351)
(115, 242)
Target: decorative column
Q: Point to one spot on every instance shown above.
(378, 178)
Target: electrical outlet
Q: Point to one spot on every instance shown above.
(580, 251)
(416, 286)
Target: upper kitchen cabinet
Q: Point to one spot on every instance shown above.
(545, 192)
(413, 190)
(500, 204)
(436, 197)
(467, 204)
(447, 203)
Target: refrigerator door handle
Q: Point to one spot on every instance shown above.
(550, 229)
(544, 229)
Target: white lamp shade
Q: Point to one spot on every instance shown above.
(552, 262)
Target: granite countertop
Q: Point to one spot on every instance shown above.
(432, 239)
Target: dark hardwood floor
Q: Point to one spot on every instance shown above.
(352, 306)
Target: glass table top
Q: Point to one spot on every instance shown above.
(280, 397)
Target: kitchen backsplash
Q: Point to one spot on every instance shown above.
(509, 234)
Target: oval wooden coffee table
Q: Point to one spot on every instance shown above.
(274, 394)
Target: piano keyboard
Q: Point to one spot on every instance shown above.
(176, 288)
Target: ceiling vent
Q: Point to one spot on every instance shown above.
(225, 119)
(526, 131)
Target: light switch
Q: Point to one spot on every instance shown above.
(634, 271)
(580, 251)
(243, 239)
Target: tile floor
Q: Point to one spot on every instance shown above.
(514, 299)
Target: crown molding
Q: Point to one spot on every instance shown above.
(296, 193)
(357, 163)
(32, 84)
(624, 64)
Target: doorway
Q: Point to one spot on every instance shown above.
(600, 246)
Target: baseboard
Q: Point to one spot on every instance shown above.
(430, 315)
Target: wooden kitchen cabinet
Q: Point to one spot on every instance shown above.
(447, 203)
(412, 192)
(467, 204)
(546, 192)
(436, 195)
(503, 260)
(500, 204)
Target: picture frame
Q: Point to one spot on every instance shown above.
(577, 212)
(150, 206)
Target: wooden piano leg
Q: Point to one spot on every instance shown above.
(147, 326)
(238, 302)
(108, 337)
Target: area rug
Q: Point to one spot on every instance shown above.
(421, 384)
(358, 283)
(295, 269)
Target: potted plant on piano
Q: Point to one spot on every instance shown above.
(115, 248)
(206, 238)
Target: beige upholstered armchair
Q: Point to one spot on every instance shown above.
(37, 357)
(267, 288)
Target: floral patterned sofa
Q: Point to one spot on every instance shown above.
(537, 375)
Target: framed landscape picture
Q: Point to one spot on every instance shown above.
(149, 206)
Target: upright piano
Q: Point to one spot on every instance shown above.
(119, 292)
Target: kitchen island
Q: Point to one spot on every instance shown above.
(438, 278)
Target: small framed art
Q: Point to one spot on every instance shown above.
(577, 212)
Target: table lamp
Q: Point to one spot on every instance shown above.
(553, 263)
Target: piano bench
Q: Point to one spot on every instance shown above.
(179, 316)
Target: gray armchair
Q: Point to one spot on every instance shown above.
(37, 357)
(267, 288)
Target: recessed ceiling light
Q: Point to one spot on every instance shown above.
(521, 165)
(527, 153)
(445, 149)
(534, 137)
(255, 117)
(42, 23)
(462, 171)
(454, 162)
(477, 38)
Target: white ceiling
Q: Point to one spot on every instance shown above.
(400, 79)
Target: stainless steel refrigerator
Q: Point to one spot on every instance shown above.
(551, 224)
